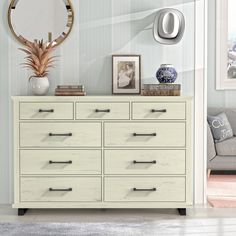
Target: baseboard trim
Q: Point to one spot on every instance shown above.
(223, 172)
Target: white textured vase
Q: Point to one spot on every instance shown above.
(39, 85)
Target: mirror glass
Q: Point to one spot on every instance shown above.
(50, 20)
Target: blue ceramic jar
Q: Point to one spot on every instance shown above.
(166, 74)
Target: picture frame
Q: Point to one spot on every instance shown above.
(225, 71)
(126, 74)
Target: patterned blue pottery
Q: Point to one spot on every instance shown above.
(166, 74)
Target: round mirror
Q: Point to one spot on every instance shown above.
(50, 20)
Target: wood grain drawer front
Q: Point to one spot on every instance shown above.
(58, 189)
(158, 111)
(102, 111)
(155, 189)
(46, 111)
(60, 162)
(147, 162)
(145, 134)
(60, 134)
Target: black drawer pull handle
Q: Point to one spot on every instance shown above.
(105, 111)
(144, 190)
(161, 111)
(46, 111)
(60, 135)
(60, 162)
(145, 162)
(148, 135)
(60, 190)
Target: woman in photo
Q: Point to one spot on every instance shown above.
(126, 76)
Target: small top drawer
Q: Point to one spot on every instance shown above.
(102, 111)
(158, 111)
(46, 111)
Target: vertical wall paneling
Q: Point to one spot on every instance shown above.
(125, 27)
(4, 107)
(101, 28)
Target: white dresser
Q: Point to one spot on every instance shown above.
(103, 152)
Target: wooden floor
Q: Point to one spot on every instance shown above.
(199, 221)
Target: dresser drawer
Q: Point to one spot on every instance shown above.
(145, 134)
(58, 189)
(61, 162)
(60, 134)
(102, 111)
(145, 189)
(46, 111)
(144, 162)
(158, 111)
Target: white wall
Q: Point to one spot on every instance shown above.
(102, 28)
(13, 81)
(216, 98)
(120, 27)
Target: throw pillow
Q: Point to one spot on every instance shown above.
(220, 127)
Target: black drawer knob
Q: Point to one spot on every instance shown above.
(144, 190)
(102, 111)
(60, 162)
(158, 111)
(144, 135)
(60, 189)
(144, 162)
(46, 111)
(60, 135)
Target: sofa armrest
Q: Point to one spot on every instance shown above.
(211, 150)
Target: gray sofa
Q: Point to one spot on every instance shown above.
(222, 156)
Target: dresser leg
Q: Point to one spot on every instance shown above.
(182, 211)
(104, 209)
(22, 211)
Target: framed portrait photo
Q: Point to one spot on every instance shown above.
(126, 70)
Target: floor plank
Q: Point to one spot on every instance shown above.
(199, 220)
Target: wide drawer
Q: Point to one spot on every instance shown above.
(61, 162)
(146, 162)
(145, 189)
(158, 111)
(46, 111)
(58, 189)
(102, 111)
(145, 134)
(60, 134)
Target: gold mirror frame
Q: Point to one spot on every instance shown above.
(60, 39)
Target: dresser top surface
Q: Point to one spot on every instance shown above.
(101, 98)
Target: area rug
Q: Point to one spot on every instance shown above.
(167, 227)
(148, 228)
(66, 229)
(221, 191)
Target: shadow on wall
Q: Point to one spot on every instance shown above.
(96, 50)
(108, 27)
(120, 7)
(135, 16)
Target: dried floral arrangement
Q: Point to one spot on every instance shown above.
(39, 57)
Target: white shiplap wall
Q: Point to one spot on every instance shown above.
(124, 26)
(102, 28)
(13, 81)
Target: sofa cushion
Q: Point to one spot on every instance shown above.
(222, 163)
(211, 150)
(220, 127)
(227, 147)
(230, 113)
